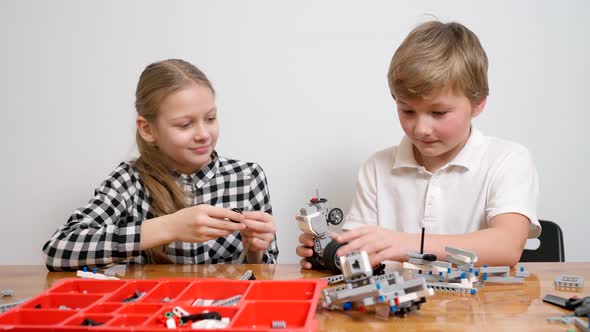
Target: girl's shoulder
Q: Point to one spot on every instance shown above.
(239, 167)
(123, 178)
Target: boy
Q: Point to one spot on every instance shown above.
(468, 190)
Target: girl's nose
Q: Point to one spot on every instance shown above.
(201, 133)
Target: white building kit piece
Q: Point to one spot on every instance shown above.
(362, 289)
(94, 275)
(521, 272)
(568, 281)
(458, 274)
(7, 306)
(119, 269)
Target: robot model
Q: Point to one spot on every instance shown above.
(314, 220)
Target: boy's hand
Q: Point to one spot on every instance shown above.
(380, 244)
(305, 249)
(260, 230)
(202, 223)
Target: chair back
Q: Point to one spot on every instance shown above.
(551, 247)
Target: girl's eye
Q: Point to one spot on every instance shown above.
(439, 113)
(211, 119)
(408, 112)
(184, 125)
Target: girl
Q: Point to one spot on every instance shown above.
(174, 203)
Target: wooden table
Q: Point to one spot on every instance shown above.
(494, 308)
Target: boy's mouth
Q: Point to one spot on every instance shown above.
(427, 142)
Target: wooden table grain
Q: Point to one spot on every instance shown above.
(493, 308)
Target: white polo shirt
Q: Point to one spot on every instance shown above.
(488, 177)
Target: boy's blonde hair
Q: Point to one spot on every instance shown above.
(436, 56)
(158, 81)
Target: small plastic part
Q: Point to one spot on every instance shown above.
(279, 324)
(91, 275)
(170, 323)
(569, 281)
(90, 322)
(7, 306)
(196, 317)
(248, 275)
(133, 298)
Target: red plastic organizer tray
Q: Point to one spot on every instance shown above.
(263, 301)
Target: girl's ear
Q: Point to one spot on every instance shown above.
(478, 107)
(145, 130)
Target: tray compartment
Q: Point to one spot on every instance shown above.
(260, 315)
(159, 320)
(99, 318)
(128, 290)
(35, 317)
(127, 321)
(282, 290)
(140, 309)
(212, 290)
(169, 290)
(88, 286)
(54, 301)
(104, 308)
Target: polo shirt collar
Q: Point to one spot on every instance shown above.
(467, 157)
(404, 157)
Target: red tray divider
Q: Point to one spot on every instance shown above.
(70, 301)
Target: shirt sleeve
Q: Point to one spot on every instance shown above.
(515, 189)
(363, 209)
(101, 232)
(260, 201)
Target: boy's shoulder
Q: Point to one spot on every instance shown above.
(495, 149)
(490, 152)
(503, 146)
(384, 158)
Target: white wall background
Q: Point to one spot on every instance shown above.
(301, 89)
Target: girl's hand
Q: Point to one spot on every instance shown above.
(259, 232)
(202, 223)
(305, 250)
(380, 244)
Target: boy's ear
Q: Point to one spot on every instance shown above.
(478, 107)
(145, 129)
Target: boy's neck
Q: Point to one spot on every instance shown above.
(433, 164)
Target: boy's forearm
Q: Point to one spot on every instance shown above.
(493, 246)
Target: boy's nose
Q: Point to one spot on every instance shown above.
(423, 127)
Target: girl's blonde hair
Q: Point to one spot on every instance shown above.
(435, 56)
(157, 81)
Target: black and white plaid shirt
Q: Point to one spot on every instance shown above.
(107, 229)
